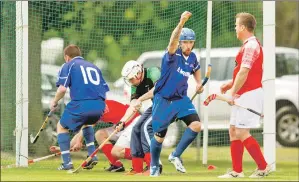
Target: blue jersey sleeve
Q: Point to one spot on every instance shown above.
(64, 75)
(171, 58)
(196, 65)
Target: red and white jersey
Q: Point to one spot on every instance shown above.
(250, 56)
(114, 111)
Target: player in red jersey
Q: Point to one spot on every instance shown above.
(246, 90)
(114, 113)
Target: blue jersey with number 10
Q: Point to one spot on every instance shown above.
(175, 71)
(84, 79)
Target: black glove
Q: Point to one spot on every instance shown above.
(119, 123)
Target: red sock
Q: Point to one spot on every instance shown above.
(254, 150)
(137, 164)
(147, 159)
(128, 154)
(236, 151)
(107, 151)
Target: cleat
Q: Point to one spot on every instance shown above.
(232, 174)
(65, 167)
(160, 166)
(91, 163)
(113, 168)
(177, 162)
(261, 173)
(131, 172)
(145, 172)
(154, 171)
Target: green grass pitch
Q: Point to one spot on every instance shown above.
(287, 168)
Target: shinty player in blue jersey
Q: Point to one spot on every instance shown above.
(170, 95)
(88, 93)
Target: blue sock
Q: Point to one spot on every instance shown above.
(155, 152)
(186, 139)
(88, 134)
(64, 144)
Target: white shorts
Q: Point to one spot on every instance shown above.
(122, 138)
(242, 118)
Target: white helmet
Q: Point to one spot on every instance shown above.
(131, 69)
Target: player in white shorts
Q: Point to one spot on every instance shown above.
(246, 90)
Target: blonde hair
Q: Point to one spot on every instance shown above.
(248, 20)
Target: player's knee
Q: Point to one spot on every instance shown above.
(60, 128)
(159, 136)
(242, 133)
(195, 126)
(100, 136)
(232, 133)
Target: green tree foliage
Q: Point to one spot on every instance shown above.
(287, 24)
(117, 30)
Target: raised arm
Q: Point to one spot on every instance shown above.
(174, 39)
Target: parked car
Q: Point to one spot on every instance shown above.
(222, 60)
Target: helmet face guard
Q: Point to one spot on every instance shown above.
(131, 70)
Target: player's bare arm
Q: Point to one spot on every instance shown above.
(197, 77)
(240, 80)
(174, 39)
(138, 102)
(128, 114)
(226, 86)
(59, 95)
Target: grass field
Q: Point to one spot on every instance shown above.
(287, 168)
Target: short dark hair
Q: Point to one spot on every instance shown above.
(248, 20)
(72, 51)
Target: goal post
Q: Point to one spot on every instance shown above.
(21, 130)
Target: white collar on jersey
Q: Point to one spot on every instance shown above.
(186, 57)
(252, 37)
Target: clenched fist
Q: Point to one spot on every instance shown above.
(185, 16)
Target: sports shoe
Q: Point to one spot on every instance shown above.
(114, 168)
(177, 162)
(261, 173)
(232, 174)
(91, 163)
(154, 171)
(145, 172)
(65, 167)
(131, 172)
(160, 166)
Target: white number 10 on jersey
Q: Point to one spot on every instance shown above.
(89, 70)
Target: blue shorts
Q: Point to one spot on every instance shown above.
(164, 111)
(83, 112)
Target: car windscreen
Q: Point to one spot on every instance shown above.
(222, 67)
(152, 62)
(286, 64)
